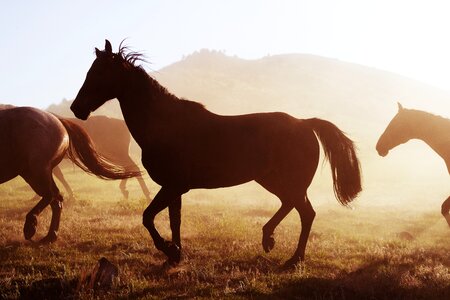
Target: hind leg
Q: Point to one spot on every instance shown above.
(132, 166)
(44, 186)
(445, 210)
(60, 176)
(56, 205)
(123, 188)
(290, 187)
(268, 242)
(144, 187)
(307, 215)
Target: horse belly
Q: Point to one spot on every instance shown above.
(199, 171)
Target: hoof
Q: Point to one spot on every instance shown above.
(29, 229)
(173, 253)
(50, 238)
(268, 243)
(291, 263)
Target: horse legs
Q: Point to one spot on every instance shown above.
(445, 210)
(58, 174)
(29, 229)
(132, 166)
(175, 220)
(144, 187)
(45, 186)
(123, 188)
(307, 215)
(268, 242)
(165, 197)
(52, 234)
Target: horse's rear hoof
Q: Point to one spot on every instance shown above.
(290, 264)
(29, 229)
(268, 243)
(50, 238)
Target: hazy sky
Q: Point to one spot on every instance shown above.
(47, 46)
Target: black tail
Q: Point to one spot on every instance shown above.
(341, 153)
(82, 152)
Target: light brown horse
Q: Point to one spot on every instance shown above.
(112, 139)
(184, 146)
(32, 143)
(415, 124)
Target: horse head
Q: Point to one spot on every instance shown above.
(396, 133)
(104, 81)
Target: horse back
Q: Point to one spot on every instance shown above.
(30, 135)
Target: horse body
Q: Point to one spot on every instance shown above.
(33, 142)
(184, 146)
(39, 129)
(220, 151)
(415, 124)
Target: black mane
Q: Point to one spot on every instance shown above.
(132, 57)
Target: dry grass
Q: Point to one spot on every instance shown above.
(352, 254)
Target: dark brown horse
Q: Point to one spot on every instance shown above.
(112, 139)
(184, 146)
(32, 143)
(415, 124)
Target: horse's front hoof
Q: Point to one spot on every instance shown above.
(268, 243)
(173, 253)
(29, 229)
(50, 238)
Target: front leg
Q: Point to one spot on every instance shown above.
(52, 234)
(175, 224)
(164, 198)
(445, 210)
(29, 229)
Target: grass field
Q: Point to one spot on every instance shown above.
(358, 253)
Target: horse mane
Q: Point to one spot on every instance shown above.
(130, 58)
(425, 114)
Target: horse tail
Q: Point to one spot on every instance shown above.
(341, 153)
(82, 152)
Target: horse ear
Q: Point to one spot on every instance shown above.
(400, 107)
(108, 47)
(98, 53)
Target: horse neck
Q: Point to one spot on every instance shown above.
(144, 99)
(434, 131)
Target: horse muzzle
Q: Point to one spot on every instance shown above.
(79, 113)
(382, 152)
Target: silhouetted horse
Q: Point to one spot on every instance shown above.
(112, 139)
(415, 124)
(184, 146)
(32, 143)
